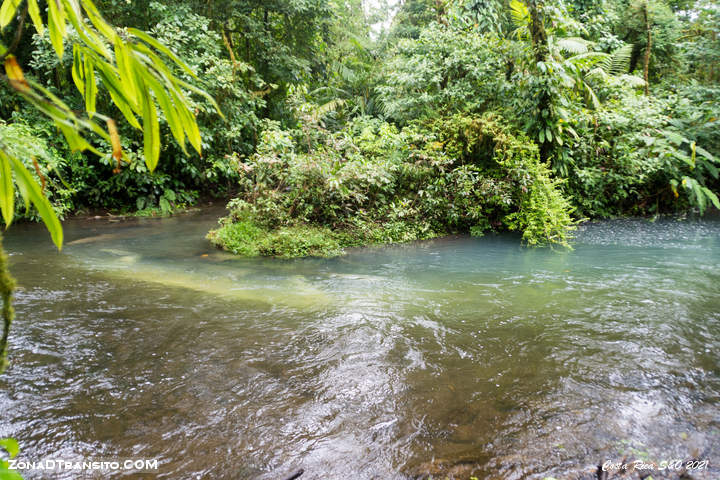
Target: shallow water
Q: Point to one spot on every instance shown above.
(456, 357)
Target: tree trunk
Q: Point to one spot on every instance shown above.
(440, 12)
(538, 35)
(646, 65)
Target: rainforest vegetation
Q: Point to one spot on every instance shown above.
(330, 124)
(345, 123)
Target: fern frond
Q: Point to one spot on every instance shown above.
(591, 93)
(574, 45)
(620, 62)
(632, 80)
(597, 73)
(328, 107)
(586, 60)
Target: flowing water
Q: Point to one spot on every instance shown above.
(454, 358)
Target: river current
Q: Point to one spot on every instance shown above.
(454, 358)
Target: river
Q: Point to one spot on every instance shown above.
(456, 357)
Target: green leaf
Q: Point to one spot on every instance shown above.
(125, 69)
(94, 15)
(116, 94)
(7, 11)
(712, 169)
(711, 195)
(10, 445)
(164, 205)
(706, 154)
(7, 192)
(75, 141)
(162, 48)
(675, 138)
(188, 121)
(56, 25)
(170, 195)
(7, 474)
(171, 114)
(32, 192)
(35, 15)
(77, 72)
(90, 87)
(87, 35)
(204, 94)
(699, 196)
(151, 132)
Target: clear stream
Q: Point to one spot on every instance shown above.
(457, 357)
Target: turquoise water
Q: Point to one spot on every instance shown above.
(457, 357)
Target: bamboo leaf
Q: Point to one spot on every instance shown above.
(94, 15)
(90, 87)
(15, 74)
(124, 108)
(75, 141)
(204, 94)
(116, 94)
(700, 197)
(7, 11)
(87, 35)
(7, 191)
(706, 154)
(191, 128)
(10, 445)
(33, 192)
(162, 48)
(125, 69)
(115, 140)
(112, 81)
(171, 114)
(151, 132)
(56, 25)
(77, 72)
(35, 16)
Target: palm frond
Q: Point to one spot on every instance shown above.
(520, 13)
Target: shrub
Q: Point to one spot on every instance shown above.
(370, 183)
(633, 154)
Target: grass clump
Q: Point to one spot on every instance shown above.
(245, 237)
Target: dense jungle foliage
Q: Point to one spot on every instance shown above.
(350, 123)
